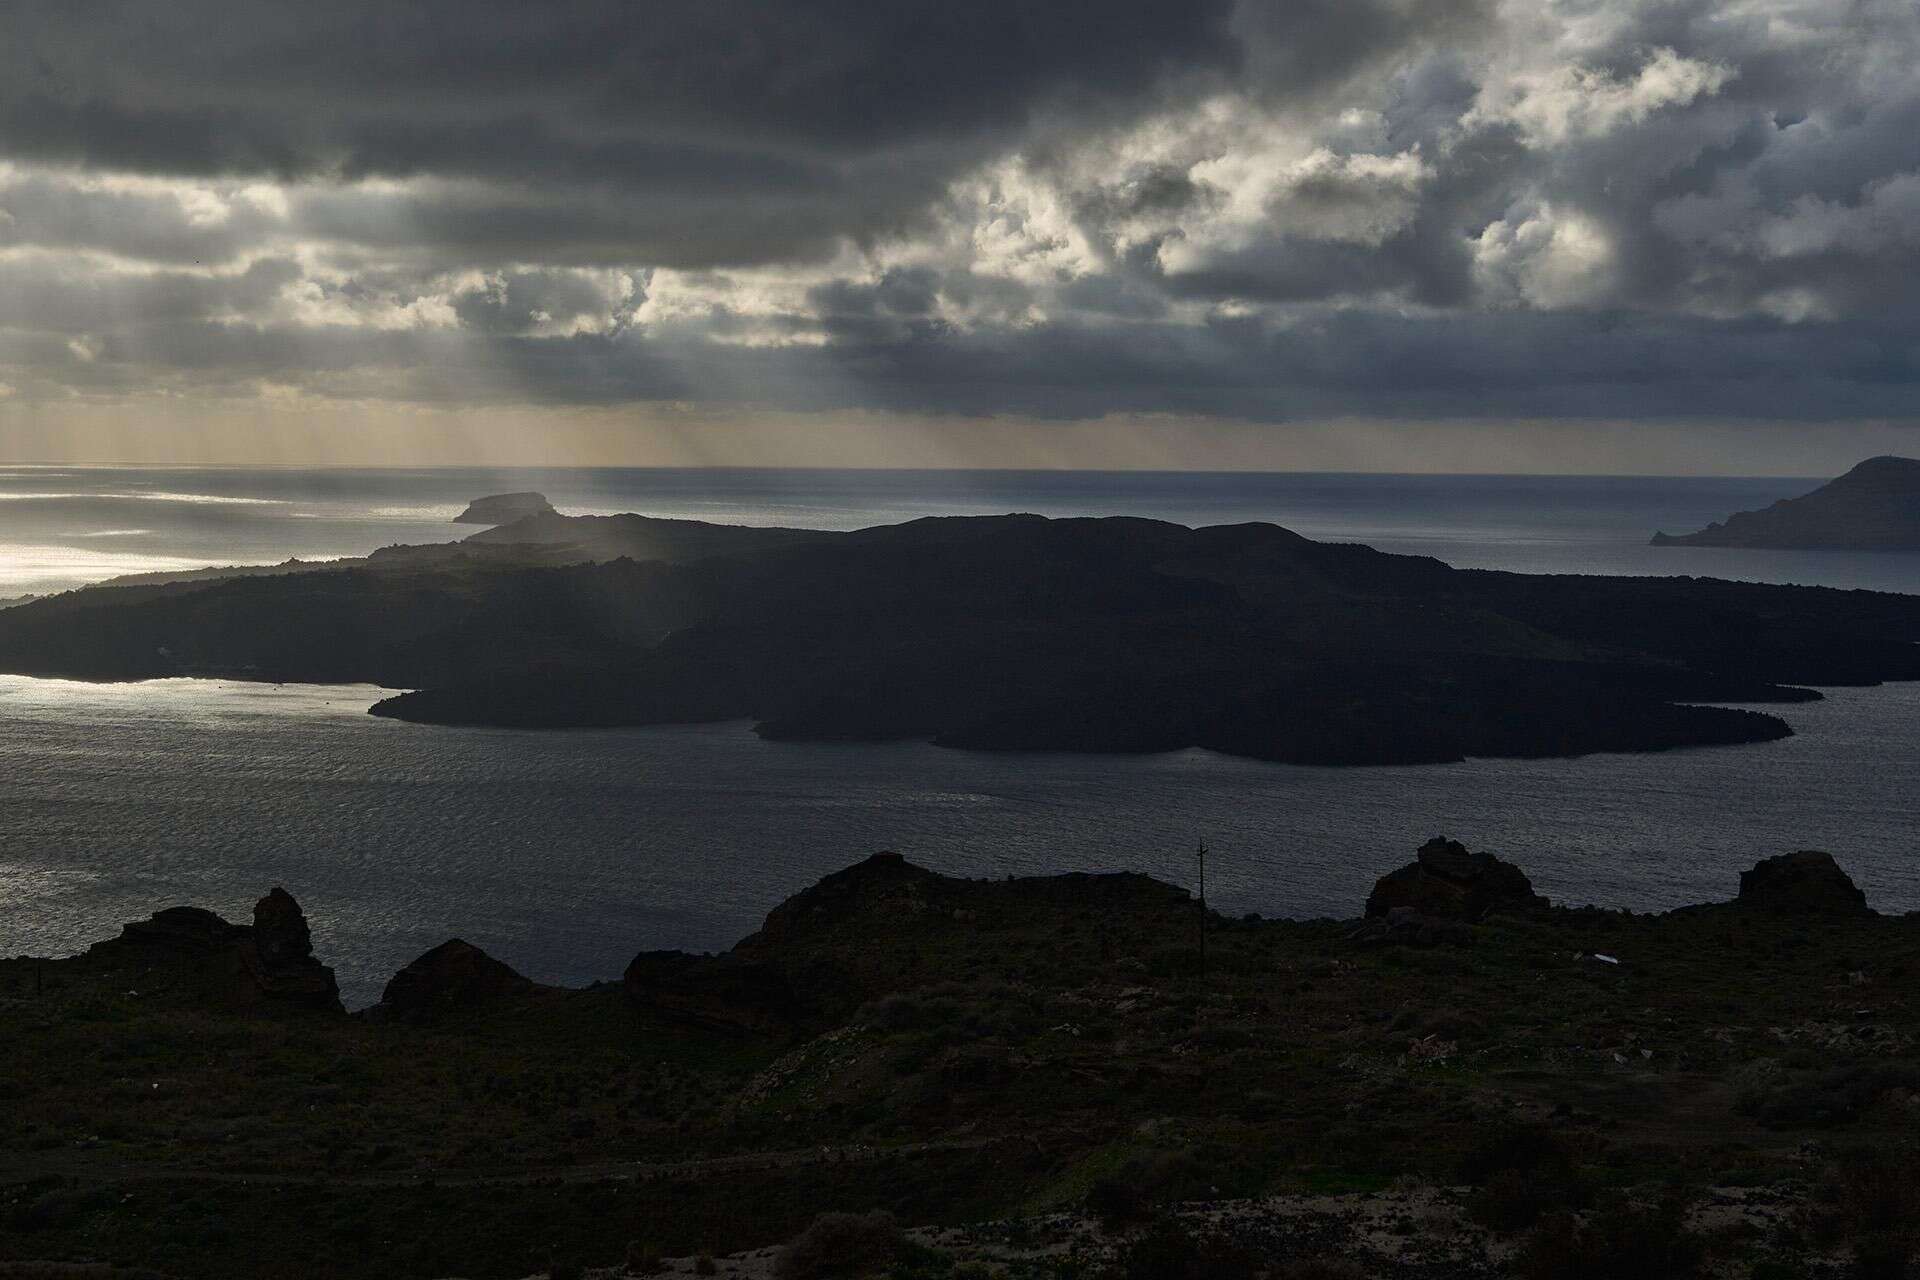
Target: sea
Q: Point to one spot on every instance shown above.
(565, 852)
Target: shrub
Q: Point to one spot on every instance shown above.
(1623, 1241)
(1117, 1203)
(1511, 1200)
(1521, 1172)
(1322, 1269)
(1873, 1209)
(974, 1067)
(61, 1209)
(841, 1244)
(909, 1012)
(1127, 1198)
(1526, 1148)
(1833, 1098)
(1886, 1255)
(1168, 1251)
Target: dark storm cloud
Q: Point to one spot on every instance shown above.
(1355, 363)
(849, 106)
(693, 131)
(1263, 208)
(367, 86)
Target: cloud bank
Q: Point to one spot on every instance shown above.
(1263, 210)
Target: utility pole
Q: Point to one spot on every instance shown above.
(1203, 911)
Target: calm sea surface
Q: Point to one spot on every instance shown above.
(563, 853)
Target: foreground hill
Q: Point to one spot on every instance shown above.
(1874, 507)
(1468, 1083)
(1015, 633)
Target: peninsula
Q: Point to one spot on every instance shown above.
(1874, 507)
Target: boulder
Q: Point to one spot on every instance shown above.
(504, 508)
(453, 976)
(1446, 882)
(1805, 883)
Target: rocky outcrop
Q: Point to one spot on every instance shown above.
(277, 958)
(504, 508)
(1405, 927)
(453, 977)
(884, 926)
(725, 994)
(269, 964)
(1874, 507)
(883, 882)
(1805, 883)
(1446, 882)
(280, 934)
(191, 932)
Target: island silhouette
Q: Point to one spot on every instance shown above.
(1874, 507)
(1011, 632)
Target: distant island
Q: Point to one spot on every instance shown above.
(1013, 633)
(1874, 507)
(504, 508)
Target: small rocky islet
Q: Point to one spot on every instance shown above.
(1467, 1080)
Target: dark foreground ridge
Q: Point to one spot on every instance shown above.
(1874, 507)
(1469, 1082)
(1003, 633)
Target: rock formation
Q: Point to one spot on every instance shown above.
(726, 994)
(884, 882)
(1446, 882)
(1874, 507)
(1405, 927)
(184, 931)
(454, 976)
(1805, 883)
(504, 508)
(277, 957)
(269, 964)
(885, 925)
(280, 933)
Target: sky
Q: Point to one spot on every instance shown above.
(1345, 234)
